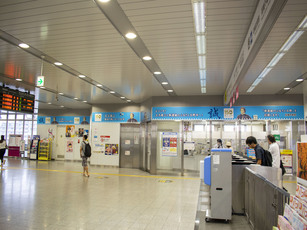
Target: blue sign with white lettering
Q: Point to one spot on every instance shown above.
(122, 117)
(63, 120)
(226, 113)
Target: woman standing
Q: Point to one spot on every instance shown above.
(274, 150)
(2, 149)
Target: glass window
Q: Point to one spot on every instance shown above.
(28, 116)
(3, 116)
(10, 128)
(28, 129)
(19, 127)
(19, 117)
(3, 128)
(34, 117)
(199, 128)
(11, 116)
(34, 127)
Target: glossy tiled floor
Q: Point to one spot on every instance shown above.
(54, 195)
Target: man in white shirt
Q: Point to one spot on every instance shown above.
(274, 150)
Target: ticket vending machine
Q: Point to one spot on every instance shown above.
(218, 175)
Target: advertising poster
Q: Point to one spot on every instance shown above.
(302, 161)
(48, 120)
(86, 132)
(169, 144)
(111, 149)
(70, 131)
(99, 148)
(50, 133)
(77, 120)
(69, 147)
(121, 117)
(63, 120)
(104, 138)
(81, 132)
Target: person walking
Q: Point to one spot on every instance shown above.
(3, 147)
(84, 158)
(274, 150)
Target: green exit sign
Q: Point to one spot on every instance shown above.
(40, 81)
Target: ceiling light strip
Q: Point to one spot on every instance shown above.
(200, 30)
(279, 55)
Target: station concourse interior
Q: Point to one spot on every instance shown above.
(153, 85)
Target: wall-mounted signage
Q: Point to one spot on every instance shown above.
(169, 144)
(121, 117)
(63, 120)
(226, 113)
(14, 100)
(40, 81)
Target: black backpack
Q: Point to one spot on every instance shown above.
(267, 158)
(87, 150)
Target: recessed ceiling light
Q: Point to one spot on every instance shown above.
(170, 90)
(122, 97)
(58, 63)
(84, 101)
(49, 103)
(112, 92)
(157, 72)
(62, 106)
(81, 76)
(129, 100)
(99, 85)
(147, 58)
(18, 79)
(300, 79)
(23, 45)
(76, 98)
(130, 35)
(286, 88)
(61, 93)
(164, 83)
(42, 87)
(104, 1)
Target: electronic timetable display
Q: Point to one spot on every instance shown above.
(14, 100)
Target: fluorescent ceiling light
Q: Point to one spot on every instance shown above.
(147, 58)
(61, 93)
(84, 101)
(99, 85)
(250, 89)
(129, 100)
(202, 62)
(276, 59)
(76, 98)
(203, 90)
(103, 1)
(23, 45)
(164, 83)
(58, 63)
(203, 83)
(300, 79)
(201, 44)
(130, 35)
(62, 106)
(202, 74)
(82, 76)
(49, 103)
(291, 40)
(42, 87)
(264, 72)
(18, 79)
(303, 24)
(286, 88)
(256, 82)
(122, 97)
(199, 16)
(170, 90)
(112, 92)
(157, 72)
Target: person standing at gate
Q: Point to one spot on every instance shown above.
(84, 158)
(274, 150)
(2, 149)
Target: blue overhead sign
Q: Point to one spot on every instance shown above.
(226, 113)
(63, 120)
(122, 117)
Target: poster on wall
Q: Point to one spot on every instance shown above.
(70, 131)
(122, 117)
(48, 120)
(169, 144)
(69, 146)
(81, 132)
(76, 120)
(50, 133)
(302, 161)
(99, 148)
(63, 120)
(104, 138)
(111, 149)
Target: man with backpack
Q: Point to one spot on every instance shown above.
(263, 157)
(85, 152)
